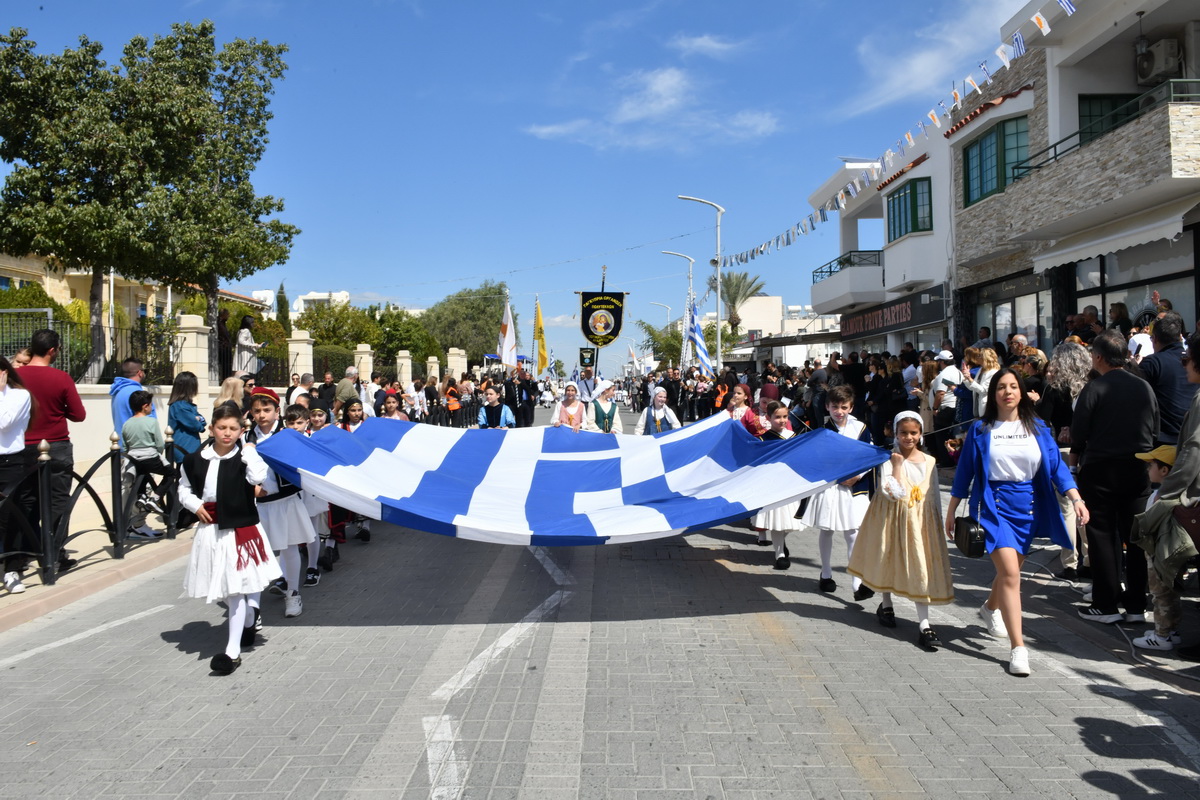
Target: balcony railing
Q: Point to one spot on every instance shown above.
(854, 258)
(1175, 91)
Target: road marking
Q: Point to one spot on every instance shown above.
(447, 771)
(4, 662)
(561, 576)
(467, 675)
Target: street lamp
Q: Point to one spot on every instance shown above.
(716, 262)
(667, 307)
(687, 310)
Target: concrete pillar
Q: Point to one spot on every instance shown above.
(848, 231)
(456, 361)
(432, 369)
(404, 367)
(364, 360)
(300, 352)
(192, 346)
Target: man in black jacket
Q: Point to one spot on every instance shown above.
(1167, 376)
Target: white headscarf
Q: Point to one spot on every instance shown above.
(903, 415)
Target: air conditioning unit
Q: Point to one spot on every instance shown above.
(1158, 63)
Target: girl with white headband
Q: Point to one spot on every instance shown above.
(657, 417)
(901, 547)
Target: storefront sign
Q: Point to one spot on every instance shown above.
(916, 310)
(1015, 286)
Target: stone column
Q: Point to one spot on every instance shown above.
(456, 361)
(364, 361)
(404, 367)
(432, 370)
(192, 346)
(300, 352)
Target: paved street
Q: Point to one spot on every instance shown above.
(687, 668)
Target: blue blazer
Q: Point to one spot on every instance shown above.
(1053, 473)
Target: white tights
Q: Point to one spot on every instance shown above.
(239, 618)
(885, 600)
(779, 539)
(289, 560)
(314, 553)
(825, 544)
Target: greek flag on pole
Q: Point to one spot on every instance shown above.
(553, 486)
(696, 336)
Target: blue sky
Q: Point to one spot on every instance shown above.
(426, 146)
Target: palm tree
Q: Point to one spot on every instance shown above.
(736, 288)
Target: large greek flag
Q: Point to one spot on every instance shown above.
(551, 486)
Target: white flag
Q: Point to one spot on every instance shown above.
(507, 345)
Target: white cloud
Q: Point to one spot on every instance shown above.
(561, 321)
(706, 45)
(655, 94)
(923, 65)
(656, 109)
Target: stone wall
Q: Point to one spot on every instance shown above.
(1185, 140)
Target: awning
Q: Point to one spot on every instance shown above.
(1162, 222)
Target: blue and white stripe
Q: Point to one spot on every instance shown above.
(551, 486)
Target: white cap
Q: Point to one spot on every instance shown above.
(945, 355)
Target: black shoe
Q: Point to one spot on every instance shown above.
(1085, 573)
(250, 632)
(65, 564)
(278, 586)
(786, 554)
(783, 562)
(1068, 574)
(887, 616)
(337, 555)
(325, 561)
(223, 664)
(763, 542)
(863, 592)
(928, 640)
(312, 577)
(363, 536)
(827, 585)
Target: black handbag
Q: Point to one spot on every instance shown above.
(968, 537)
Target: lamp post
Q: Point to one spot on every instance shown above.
(716, 262)
(667, 307)
(685, 350)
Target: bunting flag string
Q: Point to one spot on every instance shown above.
(1007, 54)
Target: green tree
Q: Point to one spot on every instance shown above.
(283, 314)
(87, 142)
(207, 224)
(340, 324)
(736, 288)
(667, 342)
(469, 319)
(560, 369)
(400, 330)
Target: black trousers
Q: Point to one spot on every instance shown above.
(11, 468)
(943, 418)
(1115, 490)
(62, 462)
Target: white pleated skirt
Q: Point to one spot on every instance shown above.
(779, 518)
(836, 508)
(286, 522)
(212, 572)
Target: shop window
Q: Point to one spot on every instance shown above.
(141, 310)
(1148, 261)
(1087, 275)
(910, 208)
(989, 160)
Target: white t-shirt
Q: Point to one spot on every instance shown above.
(1014, 454)
(944, 382)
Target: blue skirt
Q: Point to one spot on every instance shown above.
(1014, 516)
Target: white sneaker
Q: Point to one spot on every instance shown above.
(292, 606)
(1145, 616)
(1018, 661)
(1152, 641)
(993, 622)
(12, 582)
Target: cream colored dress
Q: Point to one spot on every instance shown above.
(901, 545)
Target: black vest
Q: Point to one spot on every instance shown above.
(235, 497)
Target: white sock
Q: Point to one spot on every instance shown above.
(290, 558)
(237, 621)
(779, 539)
(825, 546)
(923, 615)
(314, 553)
(885, 599)
(850, 537)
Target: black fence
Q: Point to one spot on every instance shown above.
(95, 356)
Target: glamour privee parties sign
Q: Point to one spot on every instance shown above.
(601, 315)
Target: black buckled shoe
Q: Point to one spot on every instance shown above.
(928, 640)
(223, 664)
(887, 616)
(863, 592)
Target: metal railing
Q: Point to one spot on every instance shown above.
(86, 361)
(1174, 91)
(854, 258)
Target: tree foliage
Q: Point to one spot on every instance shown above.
(339, 324)
(400, 330)
(283, 313)
(736, 288)
(469, 319)
(667, 342)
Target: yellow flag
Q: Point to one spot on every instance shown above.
(539, 338)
